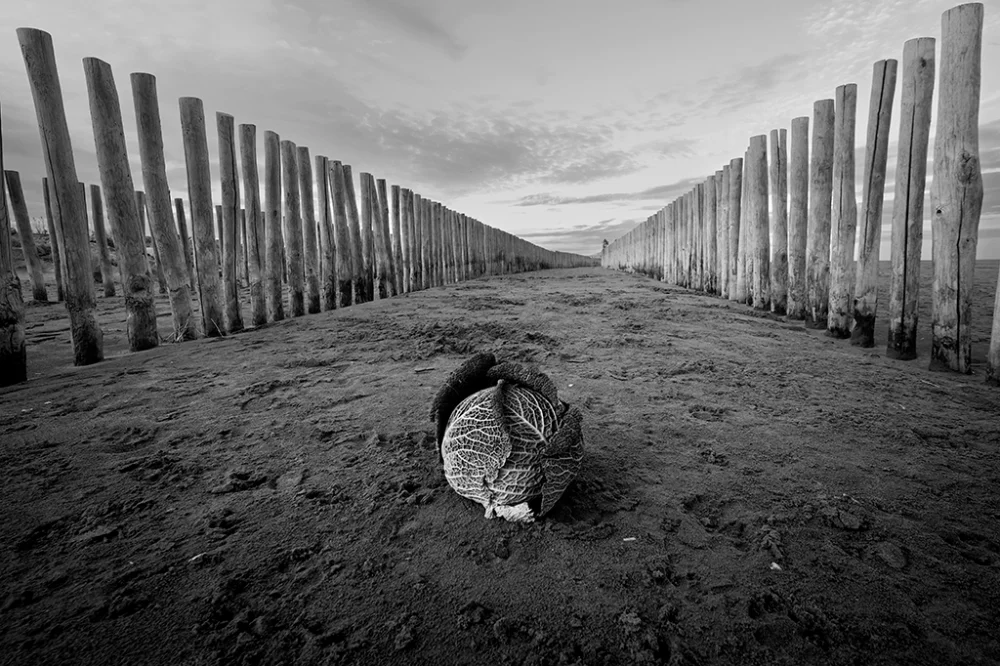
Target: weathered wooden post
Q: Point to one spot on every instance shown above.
(161, 219)
(364, 284)
(778, 182)
(384, 230)
(369, 219)
(293, 227)
(405, 237)
(310, 244)
(243, 258)
(734, 212)
(185, 242)
(721, 230)
(199, 180)
(798, 216)
(957, 188)
(820, 200)
(273, 242)
(873, 193)
(54, 244)
(844, 217)
(27, 237)
(69, 210)
(711, 238)
(142, 207)
(13, 346)
(123, 215)
(993, 354)
(229, 177)
(100, 235)
(328, 246)
(254, 243)
(757, 192)
(386, 267)
(342, 230)
(219, 234)
(743, 275)
(420, 240)
(427, 244)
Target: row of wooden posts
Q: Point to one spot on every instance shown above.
(309, 231)
(796, 256)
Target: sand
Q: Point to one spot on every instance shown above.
(752, 492)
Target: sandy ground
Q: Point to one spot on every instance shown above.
(752, 492)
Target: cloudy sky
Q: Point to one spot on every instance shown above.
(562, 121)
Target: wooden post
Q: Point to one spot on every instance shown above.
(721, 229)
(735, 201)
(310, 243)
(327, 239)
(218, 233)
(844, 219)
(744, 260)
(255, 246)
(957, 188)
(759, 220)
(199, 180)
(364, 285)
(426, 258)
(293, 227)
(244, 252)
(123, 215)
(272, 227)
(140, 205)
(873, 193)
(371, 218)
(342, 232)
(711, 239)
(13, 347)
(69, 211)
(993, 354)
(798, 215)
(778, 182)
(170, 259)
(27, 237)
(387, 270)
(55, 246)
(820, 198)
(182, 227)
(97, 214)
(419, 238)
(405, 237)
(229, 177)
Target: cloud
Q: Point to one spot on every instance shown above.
(752, 83)
(583, 239)
(664, 193)
(417, 23)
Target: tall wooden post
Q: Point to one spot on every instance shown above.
(327, 239)
(798, 216)
(405, 238)
(844, 218)
(426, 247)
(69, 210)
(735, 200)
(273, 240)
(360, 261)
(820, 200)
(759, 219)
(778, 182)
(54, 245)
(744, 266)
(13, 347)
(161, 218)
(293, 227)
(417, 265)
(123, 215)
(185, 242)
(383, 200)
(27, 237)
(310, 243)
(256, 248)
(371, 217)
(219, 234)
(229, 177)
(993, 354)
(199, 180)
(342, 232)
(711, 240)
(957, 188)
(100, 235)
(872, 195)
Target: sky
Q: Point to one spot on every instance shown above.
(564, 122)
